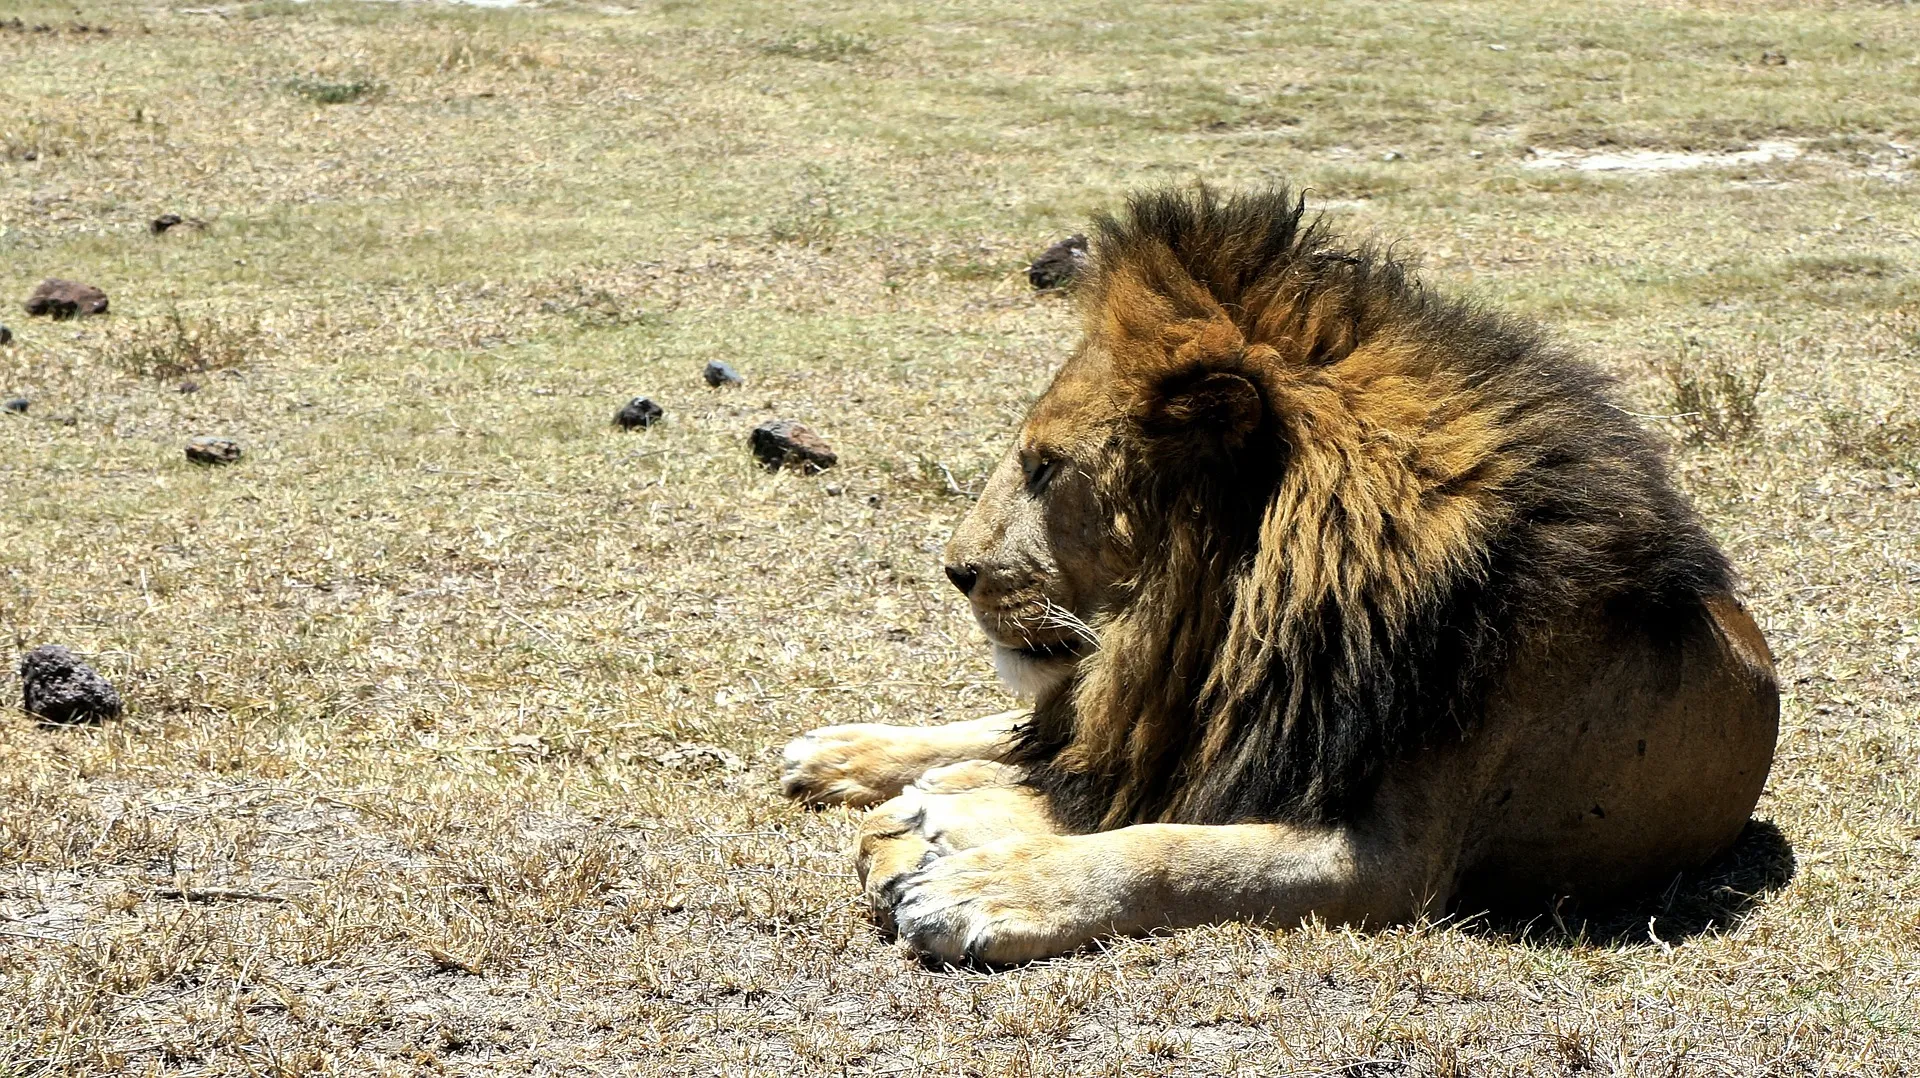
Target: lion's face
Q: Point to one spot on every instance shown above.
(1040, 552)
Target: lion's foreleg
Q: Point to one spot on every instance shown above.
(1023, 898)
(863, 764)
(957, 807)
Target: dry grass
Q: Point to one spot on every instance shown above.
(175, 344)
(402, 787)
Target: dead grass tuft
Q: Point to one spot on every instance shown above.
(1883, 441)
(468, 53)
(1714, 400)
(590, 305)
(176, 344)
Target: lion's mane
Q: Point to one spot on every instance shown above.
(1426, 485)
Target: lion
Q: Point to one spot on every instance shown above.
(1336, 598)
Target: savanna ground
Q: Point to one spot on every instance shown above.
(453, 711)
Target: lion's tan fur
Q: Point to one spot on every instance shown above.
(1393, 608)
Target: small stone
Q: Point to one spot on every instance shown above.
(163, 222)
(1059, 264)
(783, 443)
(18, 405)
(58, 687)
(720, 374)
(189, 386)
(6, 335)
(639, 413)
(60, 299)
(207, 449)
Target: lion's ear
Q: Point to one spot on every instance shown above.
(1209, 406)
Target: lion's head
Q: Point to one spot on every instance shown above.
(1043, 549)
(1284, 513)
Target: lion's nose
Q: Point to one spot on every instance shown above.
(964, 577)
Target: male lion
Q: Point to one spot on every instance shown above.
(1336, 598)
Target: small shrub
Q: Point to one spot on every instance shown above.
(1714, 401)
(1881, 442)
(827, 46)
(173, 345)
(325, 92)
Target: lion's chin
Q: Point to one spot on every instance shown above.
(1027, 675)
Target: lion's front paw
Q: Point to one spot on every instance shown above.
(1011, 901)
(842, 765)
(892, 847)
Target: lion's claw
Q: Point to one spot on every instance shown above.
(987, 906)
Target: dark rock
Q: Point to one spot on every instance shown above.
(783, 443)
(1059, 264)
(720, 374)
(6, 335)
(207, 449)
(189, 386)
(639, 413)
(57, 299)
(18, 405)
(163, 222)
(61, 688)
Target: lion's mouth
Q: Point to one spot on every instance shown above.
(1067, 649)
(1064, 650)
(1035, 668)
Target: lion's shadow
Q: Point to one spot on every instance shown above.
(1713, 898)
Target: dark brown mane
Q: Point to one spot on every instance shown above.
(1348, 500)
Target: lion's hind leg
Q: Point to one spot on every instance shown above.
(955, 807)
